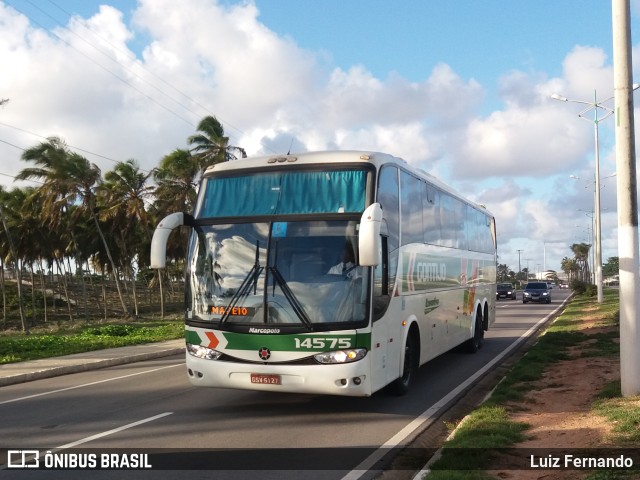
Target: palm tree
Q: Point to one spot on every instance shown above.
(7, 198)
(211, 146)
(177, 179)
(34, 241)
(68, 179)
(570, 267)
(127, 192)
(581, 254)
(124, 193)
(503, 272)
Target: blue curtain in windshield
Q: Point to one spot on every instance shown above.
(284, 193)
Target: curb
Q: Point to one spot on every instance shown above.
(50, 372)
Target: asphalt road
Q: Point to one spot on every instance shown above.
(150, 408)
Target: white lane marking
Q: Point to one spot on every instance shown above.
(93, 437)
(369, 462)
(88, 384)
(111, 432)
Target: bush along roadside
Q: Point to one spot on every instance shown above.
(484, 440)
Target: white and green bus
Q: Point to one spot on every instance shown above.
(329, 273)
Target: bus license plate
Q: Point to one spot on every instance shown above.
(268, 379)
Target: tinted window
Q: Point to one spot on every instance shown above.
(411, 208)
(431, 214)
(284, 192)
(389, 201)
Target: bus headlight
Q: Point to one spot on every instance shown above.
(203, 352)
(341, 356)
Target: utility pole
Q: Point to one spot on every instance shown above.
(628, 244)
(519, 267)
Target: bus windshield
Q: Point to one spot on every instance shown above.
(298, 274)
(283, 192)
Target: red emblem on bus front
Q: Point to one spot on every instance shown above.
(264, 353)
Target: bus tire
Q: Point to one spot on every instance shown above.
(475, 343)
(411, 358)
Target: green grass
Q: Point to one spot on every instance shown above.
(489, 426)
(623, 412)
(19, 347)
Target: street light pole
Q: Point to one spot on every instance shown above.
(597, 202)
(595, 105)
(519, 267)
(627, 201)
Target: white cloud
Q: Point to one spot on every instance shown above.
(205, 58)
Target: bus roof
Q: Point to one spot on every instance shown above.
(306, 158)
(334, 157)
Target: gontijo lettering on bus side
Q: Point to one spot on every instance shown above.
(422, 272)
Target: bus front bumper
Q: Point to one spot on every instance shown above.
(351, 379)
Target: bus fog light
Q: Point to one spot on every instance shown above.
(357, 380)
(341, 356)
(199, 351)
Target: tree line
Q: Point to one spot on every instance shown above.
(577, 268)
(102, 222)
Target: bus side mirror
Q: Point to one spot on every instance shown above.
(369, 240)
(160, 236)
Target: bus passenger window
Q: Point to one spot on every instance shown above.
(381, 296)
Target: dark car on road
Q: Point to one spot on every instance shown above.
(536, 292)
(505, 290)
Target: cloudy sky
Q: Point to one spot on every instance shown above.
(460, 88)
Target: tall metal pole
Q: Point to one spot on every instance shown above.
(595, 105)
(519, 267)
(628, 244)
(598, 239)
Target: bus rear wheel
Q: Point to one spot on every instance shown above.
(475, 343)
(411, 354)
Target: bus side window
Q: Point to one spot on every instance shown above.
(381, 294)
(411, 209)
(431, 214)
(389, 199)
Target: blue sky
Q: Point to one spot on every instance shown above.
(460, 88)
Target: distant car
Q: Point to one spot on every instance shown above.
(505, 290)
(536, 292)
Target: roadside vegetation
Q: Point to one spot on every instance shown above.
(85, 323)
(79, 237)
(489, 428)
(18, 348)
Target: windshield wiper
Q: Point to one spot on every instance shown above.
(290, 296)
(251, 280)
